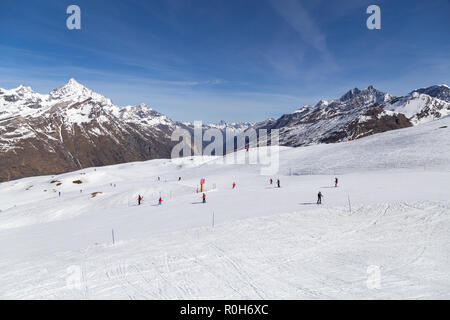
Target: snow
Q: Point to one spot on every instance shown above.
(302, 109)
(75, 105)
(143, 115)
(362, 119)
(416, 103)
(266, 243)
(233, 126)
(74, 91)
(323, 102)
(79, 116)
(411, 106)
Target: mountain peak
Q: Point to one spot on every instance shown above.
(145, 106)
(75, 91)
(71, 86)
(369, 94)
(441, 92)
(73, 82)
(74, 85)
(373, 90)
(350, 94)
(24, 89)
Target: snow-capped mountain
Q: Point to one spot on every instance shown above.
(237, 126)
(73, 127)
(223, 125)
(358, 113)
(424, 104)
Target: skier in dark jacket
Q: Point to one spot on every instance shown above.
(319, 198)
(335, 182)
(204, 198)
(278, 183)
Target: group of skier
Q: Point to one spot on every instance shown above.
(319, 195)
(140, 198)
(278, 182)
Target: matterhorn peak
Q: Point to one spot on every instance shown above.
(73, 83)
(72, 87)
(75, 91)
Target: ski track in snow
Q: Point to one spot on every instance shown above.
(314, 255)
(267, 243)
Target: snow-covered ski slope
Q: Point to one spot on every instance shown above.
(383, 233)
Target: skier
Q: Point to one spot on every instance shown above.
(319, 198)
(271, 180)
(278, 183)
(139, 200)
(335, 182)
(160, 201)
(59, 194)
(234, 184)
(204, 198)
(179, 178)
(159, 179)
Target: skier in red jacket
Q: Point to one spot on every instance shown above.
(160, 201)
(234, 184)
(139, 200)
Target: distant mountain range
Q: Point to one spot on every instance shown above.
(74, 127)
(359, 113)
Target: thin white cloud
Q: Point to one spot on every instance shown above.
(300, 20)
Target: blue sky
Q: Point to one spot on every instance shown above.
(230, 59)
